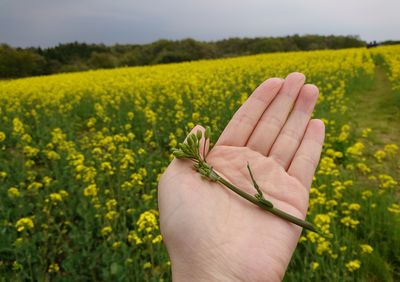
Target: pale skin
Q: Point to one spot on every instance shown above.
(212, 234)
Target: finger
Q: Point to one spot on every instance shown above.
(246, 118)
(307, 156)
(274, 117)
(289, 138)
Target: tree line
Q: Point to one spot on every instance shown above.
(75, 56)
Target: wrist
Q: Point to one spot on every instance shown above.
(221, 268)
(195, 271)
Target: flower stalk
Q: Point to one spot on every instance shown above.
(190, 150)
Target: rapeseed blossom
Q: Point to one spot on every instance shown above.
(353, 265)
(366, 249)
(2, 136)
(54, 267)
(13, 192)
(24, 223)
(91, 190)
(82, 154)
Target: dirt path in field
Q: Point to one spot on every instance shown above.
(378, 108)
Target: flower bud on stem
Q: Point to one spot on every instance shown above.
(190, 150)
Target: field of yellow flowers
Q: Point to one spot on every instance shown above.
(81, 155)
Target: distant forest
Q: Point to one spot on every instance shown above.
(70, 57)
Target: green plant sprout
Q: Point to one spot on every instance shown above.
(190, 150)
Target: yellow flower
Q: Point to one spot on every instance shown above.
(106, 166)
(2, 136)
(157, 239)
(111, 215)
(64, 193)
(303, 239)
(3, 174)
(348, 183)
(142, 171)
(366, 194)
(52, 155)
(24, 223)
(26, 138)
(349, 222)
(54, 267)
(394, 208)
(327, 166)
(390, 149)
(331, 204)
(190, 125)
(366, 249)
(34, 186)
(106, 230)
(18, 126)
(356, 149)
(137, 178)
(91, 190)
(386, 181)
(91, 122)
(380, 155)
(130, 115)
(55, 197)
(366, 132)
(150, 115)
(338, 155)
(13, 192)
(354, 207)
(147, 197)
(147, 265)
(134, 238)
(353, 265)
(312, 236)
(321, 219)
(148, 221)
(30, 151)
(314, 266)
(148, 135)
(111, 204)
(344, 133)
(323, 246)
(363, 168)
(116, 245)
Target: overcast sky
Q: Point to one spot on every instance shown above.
(49, 22)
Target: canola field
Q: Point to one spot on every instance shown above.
(81, 155)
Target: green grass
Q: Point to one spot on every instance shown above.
(377, 108)
(371, 104)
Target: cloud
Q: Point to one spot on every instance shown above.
(49, 22)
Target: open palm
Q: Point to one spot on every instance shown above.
(211, 233)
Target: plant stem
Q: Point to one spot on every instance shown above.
(264, 205)
(260, 193)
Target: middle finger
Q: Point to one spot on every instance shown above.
(274, 117)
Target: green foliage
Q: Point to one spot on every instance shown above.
(19, 62)
(75, 56)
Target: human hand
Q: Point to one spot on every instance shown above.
(213, 234)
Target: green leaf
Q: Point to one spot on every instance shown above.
(115, 268)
